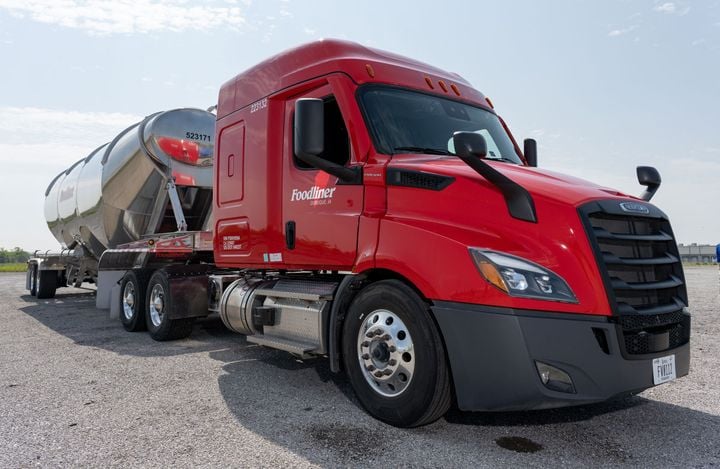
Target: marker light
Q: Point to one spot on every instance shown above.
(521, 278)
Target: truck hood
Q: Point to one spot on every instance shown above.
(539, 182)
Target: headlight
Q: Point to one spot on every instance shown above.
(519, 277)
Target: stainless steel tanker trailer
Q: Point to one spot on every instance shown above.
(152, 182)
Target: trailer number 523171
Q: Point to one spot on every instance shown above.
(197, 136)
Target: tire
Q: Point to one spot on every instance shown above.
(159, 304)
(46, 283)
(33, 279)
(132, 300)
(400, 374)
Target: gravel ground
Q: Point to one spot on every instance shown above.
(77, 390)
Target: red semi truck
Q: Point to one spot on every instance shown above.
(376, 210)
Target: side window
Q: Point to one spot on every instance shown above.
(337, 142)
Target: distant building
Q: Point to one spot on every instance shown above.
(701, 253)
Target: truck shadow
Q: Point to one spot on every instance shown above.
(73, 314)
(313, 413)
(303, 407)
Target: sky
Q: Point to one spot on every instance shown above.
(604, 86)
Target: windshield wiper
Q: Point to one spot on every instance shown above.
(429, 151)
(502, 158)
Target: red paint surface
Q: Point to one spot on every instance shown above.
(422, 235)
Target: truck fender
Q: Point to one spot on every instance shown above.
(346, 291)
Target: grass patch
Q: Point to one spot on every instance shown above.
(13, 267)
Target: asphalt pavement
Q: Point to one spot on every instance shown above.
(77, 390)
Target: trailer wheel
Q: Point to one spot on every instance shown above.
(132, 300)
(46, 283)
(159, 304)
(33, 279)
(394, 356)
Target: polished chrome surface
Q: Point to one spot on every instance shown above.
(156, 308)
(128, 300)
(298, 320)
(237, 302)
(386, 353)
(118, 193)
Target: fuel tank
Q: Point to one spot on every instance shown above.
(119, 192)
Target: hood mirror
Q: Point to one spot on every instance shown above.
(650, 178)
(471, 148)
(469, 144)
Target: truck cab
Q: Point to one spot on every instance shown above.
(458, 270)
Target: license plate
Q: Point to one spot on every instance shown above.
(664, 369)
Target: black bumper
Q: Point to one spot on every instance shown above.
(492, 354)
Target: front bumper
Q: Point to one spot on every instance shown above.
(492, 353)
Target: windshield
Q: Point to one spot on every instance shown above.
(403, 121)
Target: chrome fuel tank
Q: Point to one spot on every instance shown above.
(118, 193)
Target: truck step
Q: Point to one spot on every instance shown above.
(301, 290)
(296, 348)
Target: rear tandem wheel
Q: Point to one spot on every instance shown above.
(159, 306)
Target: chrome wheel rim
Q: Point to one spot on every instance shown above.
(157, 305)
(386, 353)
(129, 301)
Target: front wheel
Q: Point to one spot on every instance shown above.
(159, 305)
(394, 356)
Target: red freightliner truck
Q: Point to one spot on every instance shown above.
(376, 210)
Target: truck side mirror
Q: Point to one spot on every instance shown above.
(650, 178)
(309, 140)
(530, 152)
(309, 127)
(469, 144)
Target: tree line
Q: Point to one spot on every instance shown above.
(8, 256)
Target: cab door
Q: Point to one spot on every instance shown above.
(320, 214)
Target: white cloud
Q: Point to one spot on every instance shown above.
(30, 125)
(309, 31)
(671, 8)
(667, 7)
(622, 31)
(35, 145)
(104, 17)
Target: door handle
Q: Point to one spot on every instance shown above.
(290, 234)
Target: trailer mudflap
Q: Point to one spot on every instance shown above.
(189, 290)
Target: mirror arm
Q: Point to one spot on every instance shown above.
(650, 178)
(649, 193)
(471, 148)
(519, 201)
(346, 174)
